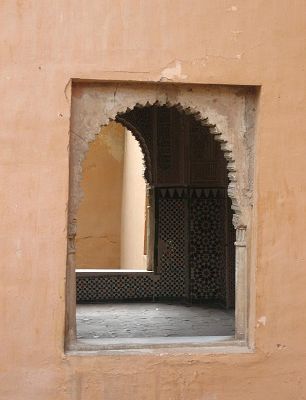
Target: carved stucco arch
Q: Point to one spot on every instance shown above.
(146, 158)
(227, 112)
(212, 129)
(86, 136)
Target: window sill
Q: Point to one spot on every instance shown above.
(159, 345)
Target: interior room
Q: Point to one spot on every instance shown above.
(155, 240)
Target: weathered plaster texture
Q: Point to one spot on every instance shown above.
(246, 42)
(228, 111)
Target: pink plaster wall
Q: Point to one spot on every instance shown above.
(43, 45)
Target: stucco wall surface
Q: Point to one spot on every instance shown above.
(133, 209)
(44, 45)
(98, 241)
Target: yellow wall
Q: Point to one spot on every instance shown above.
(44, 45)
(99, 216)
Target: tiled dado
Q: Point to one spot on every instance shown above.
(206, 262)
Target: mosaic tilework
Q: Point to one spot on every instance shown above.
(207, 239)
(114, 287)
(200, 242)
(172, 237)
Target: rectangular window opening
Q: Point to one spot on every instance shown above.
(154, 260)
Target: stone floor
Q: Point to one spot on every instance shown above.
(141, 320)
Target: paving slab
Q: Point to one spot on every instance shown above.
(141, 320)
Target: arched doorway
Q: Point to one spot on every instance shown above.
(192, 241)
